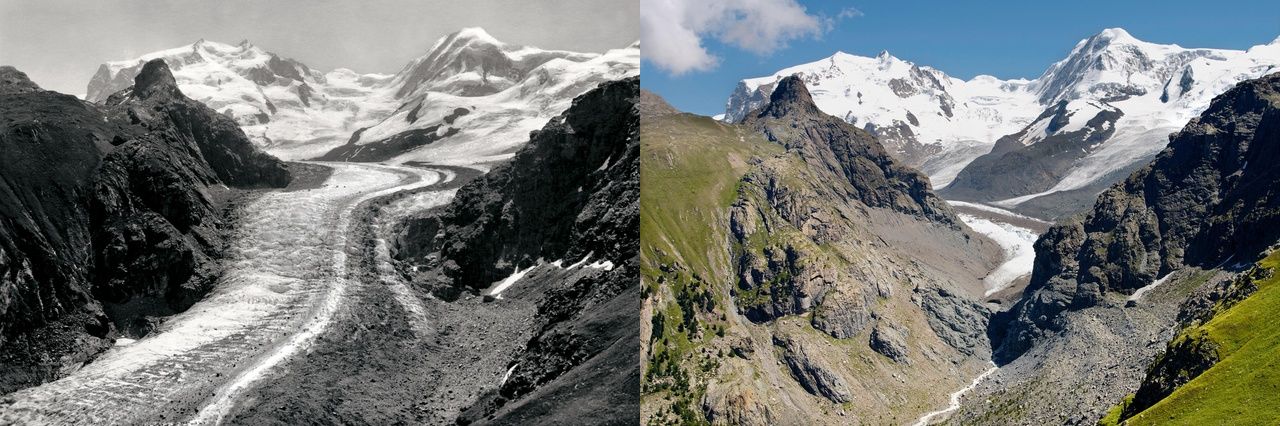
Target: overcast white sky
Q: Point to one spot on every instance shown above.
(60, 43)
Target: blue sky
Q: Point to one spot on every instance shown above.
(1007, 39)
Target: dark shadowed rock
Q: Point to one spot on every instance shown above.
(106, 217)
(810, 369)
(155, 79)
(571, 193)
(845, 153)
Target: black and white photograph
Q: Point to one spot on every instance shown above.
(319, 212)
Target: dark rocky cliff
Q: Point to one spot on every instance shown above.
(1210, 196)
(110, 216)
(846, 153)
(570, 193)
(560, 197)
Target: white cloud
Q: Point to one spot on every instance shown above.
(849, 12)
(672, 30)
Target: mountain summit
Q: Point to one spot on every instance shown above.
(155, 79)
(790, 96)
(486, 96)
(1100, 113)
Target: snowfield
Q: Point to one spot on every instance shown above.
(286, 277)
(293, 112)
(1019, 251)
(1158, 87)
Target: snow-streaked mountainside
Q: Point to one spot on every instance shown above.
(1115, 97)
(471, 99)
(285, 107)
(918, 112)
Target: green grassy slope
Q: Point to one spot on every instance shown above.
(689, 173)
(1244, 386)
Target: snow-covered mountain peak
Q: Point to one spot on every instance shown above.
(477, 34)
(1114, 35)
(470, 62)
(916, 111)
(1138, 91)
(473, 97)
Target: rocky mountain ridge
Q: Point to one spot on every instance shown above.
(822, 295)
(570, 194)
(113, 218)
(468, 88)
(1047, 146)
(1199, 203)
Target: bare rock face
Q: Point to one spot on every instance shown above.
(1210, 195)
(810, 369)
(847, 154)
(890, 341)
(106, 220)
(550, 202)
(842, 313)
(571, 193)
(958, 321)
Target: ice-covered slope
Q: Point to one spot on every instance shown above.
(1157, 87)
(473, 99)
(286, 107)
(921, 114)
(1108, 107)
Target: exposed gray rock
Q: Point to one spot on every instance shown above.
(842, 313)
(1209, 196)
(959, 322)
(811, 370)
(890, 341)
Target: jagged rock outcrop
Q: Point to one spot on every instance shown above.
(959, 322)
(1209, 196)
(571, 193)
(107, 220)
(811, 370)
(890, 341)
(550, 202)
(821, 241)
(842, 151)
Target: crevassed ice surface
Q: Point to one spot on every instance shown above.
(286, 273)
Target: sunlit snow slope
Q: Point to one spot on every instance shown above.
(471, 99)
(940, 123)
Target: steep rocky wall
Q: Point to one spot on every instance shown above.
(571, 194)
(1210, 196)
(565, 196)
(107, 221)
